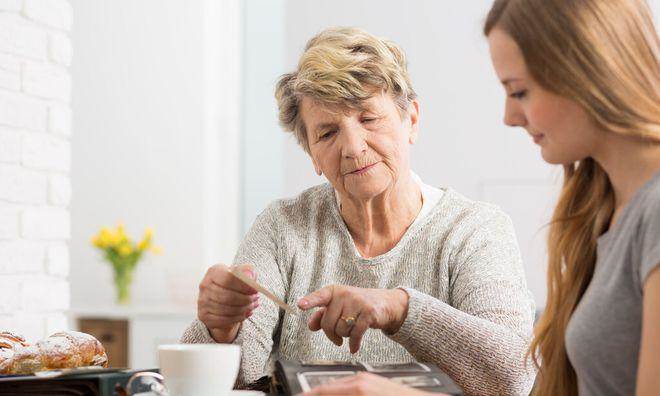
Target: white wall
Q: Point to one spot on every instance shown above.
(35, 162)
(263, 143)
(157, 98)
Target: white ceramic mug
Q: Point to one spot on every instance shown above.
(199, 369)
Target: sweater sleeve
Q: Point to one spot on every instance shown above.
(258, 333)
(481, 337)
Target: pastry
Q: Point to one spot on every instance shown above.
(67, 349)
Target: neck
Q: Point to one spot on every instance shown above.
(378, 224)
(629, 163)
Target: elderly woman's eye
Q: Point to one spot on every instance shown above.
(326, 135)
(368, 119)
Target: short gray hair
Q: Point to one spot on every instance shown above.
(342, 67)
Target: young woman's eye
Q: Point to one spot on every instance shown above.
(518, 94)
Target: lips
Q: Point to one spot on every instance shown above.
(362, 169)
(537, 138)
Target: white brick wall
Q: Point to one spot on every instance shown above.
(59, 120)
(10, 72)
(8, 224)
(35, 162)
(10, 146)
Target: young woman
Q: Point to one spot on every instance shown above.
(582, 77)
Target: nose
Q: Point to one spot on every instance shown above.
(513, 114)
(353, 144)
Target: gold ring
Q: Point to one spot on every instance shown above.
(350, 320)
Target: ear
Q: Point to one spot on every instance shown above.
(413, 115)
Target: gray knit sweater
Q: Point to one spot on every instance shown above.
(470, 311)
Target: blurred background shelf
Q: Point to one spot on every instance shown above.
(131, 334)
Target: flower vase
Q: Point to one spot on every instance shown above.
(123, 279)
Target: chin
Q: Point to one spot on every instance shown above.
(365, 194)
(556, 157)
(365, 190)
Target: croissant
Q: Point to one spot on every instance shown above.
(67, 349)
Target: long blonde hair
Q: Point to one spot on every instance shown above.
(604, 55)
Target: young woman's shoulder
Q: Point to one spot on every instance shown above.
(651, 200)
(649, 227)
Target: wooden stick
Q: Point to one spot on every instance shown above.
(253, 284)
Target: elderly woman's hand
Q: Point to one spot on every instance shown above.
(348, 311)
(224, 301)
(365, 384)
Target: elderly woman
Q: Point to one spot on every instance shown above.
(403, 270)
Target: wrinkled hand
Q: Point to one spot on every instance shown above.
(366, 384)
(384, 309)
(224, 301)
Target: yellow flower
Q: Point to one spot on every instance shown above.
(125, 250)
(102, 240)
(120, 236)
(119, 241)
(96, 241)
(113, 239)
(146, 241)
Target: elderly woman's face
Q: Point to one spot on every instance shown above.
(361, 152)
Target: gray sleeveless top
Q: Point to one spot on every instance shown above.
(603, 335)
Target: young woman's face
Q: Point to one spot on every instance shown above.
(558, 125)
